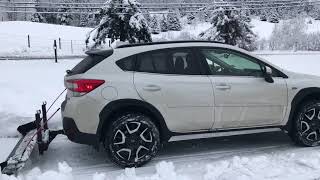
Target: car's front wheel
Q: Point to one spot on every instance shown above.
(306, 129)
(132, 140)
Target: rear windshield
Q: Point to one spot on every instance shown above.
(86, 64)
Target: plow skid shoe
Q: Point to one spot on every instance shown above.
(20, 154)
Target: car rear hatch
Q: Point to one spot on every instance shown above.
(75, 80)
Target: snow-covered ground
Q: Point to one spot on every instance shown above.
(25, 84)
(262, 156)
(14, 41)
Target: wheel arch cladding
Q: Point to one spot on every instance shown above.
(118, 107)
(300, 97)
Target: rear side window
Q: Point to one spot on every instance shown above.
(127, 64)
(153, 62)
(170, 61)
(86, 64)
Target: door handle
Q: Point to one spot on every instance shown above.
(151, 88)
(223, 86)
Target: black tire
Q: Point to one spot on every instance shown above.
(306, 126)
(132, 140)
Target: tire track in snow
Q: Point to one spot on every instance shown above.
(184, 152)
(180, 159)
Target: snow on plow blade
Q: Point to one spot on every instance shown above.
(34, 133)
(20, 154)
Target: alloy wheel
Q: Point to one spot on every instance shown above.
(134, 142)
(309, 125)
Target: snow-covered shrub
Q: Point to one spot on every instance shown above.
(230, 27)
(288, 35)
(124, 24)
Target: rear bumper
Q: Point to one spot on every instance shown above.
(72, 132)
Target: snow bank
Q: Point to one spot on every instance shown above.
(280, 166)
(262, 28)
(283, 166)
(164, 171)
(24, 86)
(14, 41)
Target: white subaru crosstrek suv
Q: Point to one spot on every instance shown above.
(133, 98)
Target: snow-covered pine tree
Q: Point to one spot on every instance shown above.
(263, 15)
(173, 21)
(86, 19)
(273, 16)
(190, 18)
(125, 24)
(315, 13)
(37, 17)
(154, 25)
(64, 17)
(228, 26)
(147, 16)
(163, 24)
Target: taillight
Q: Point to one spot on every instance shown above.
(83, 86)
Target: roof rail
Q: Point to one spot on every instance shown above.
(165, 42)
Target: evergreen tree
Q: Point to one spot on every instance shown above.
(125, 24)
(147, 16)
(163, 24)
(173, 21)
(87, 18)
(315, 13)
(263, 15)
(190, 18)
(273, 16)
(228, 26)
(64, 17)
(37, 17)
(154, 25)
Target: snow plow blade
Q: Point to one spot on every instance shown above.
(20, 154)
(35, 133)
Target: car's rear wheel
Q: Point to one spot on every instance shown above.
(306, 129)
(132, 140)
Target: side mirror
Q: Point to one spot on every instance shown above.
(267, 72)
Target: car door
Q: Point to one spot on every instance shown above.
(171, 81)
(242, 96)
